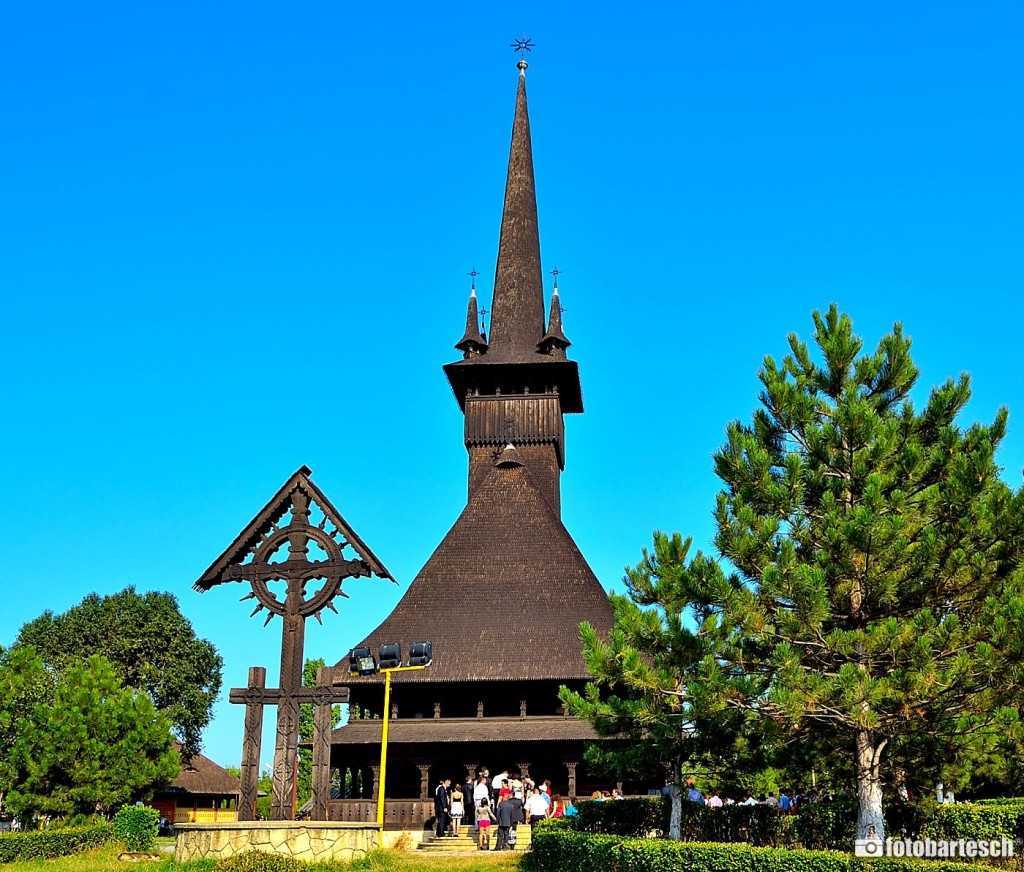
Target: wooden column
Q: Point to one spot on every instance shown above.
(471, 774)
(424, 780)
(479, 708)
(250, 768)
(437, 711)
(375, 772)
(394, 709)
(570, 766)
(524, 770)
(322, 722)
(522, 709)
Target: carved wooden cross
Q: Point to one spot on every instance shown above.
(250, 558)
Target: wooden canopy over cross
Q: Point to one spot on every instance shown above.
(252, 558)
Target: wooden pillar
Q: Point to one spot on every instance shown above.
(471, 774)
(479, 708)
(394, 709)
(524, 770)
(323, 716)
(570, 766)
(424, 780)
(250, 768)
(437, 711)
(375, 772)
(522, 709)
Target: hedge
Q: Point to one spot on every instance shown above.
(968, 820)
(818, 825)
(821, 825)
(558, 848)
(44, 844)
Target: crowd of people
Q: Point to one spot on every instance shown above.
(786, 802)
(500, 802)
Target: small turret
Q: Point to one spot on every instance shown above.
(473, 341)
(554, 341)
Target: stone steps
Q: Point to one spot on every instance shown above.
(466, 841)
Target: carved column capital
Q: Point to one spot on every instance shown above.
(424, 769)
(437, 711)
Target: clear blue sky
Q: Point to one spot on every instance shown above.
(217, 215)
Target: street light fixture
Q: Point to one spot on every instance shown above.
(362, 662)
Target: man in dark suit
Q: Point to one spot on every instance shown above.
(441, 805)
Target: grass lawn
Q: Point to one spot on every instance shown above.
(105, 860)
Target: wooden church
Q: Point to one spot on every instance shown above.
(502, 596)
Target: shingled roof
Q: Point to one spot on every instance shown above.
(411, 731)
(506, 582)
(517, 305)
(201, 775)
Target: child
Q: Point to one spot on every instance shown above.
(457, 810)
(484, 818)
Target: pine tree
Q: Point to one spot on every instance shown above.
(648, 685)
(879, 590)
(92, 747)
(876, 597)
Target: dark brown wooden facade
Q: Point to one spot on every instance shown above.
(502, 596)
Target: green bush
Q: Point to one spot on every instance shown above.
(561, 849)
(136, 827)
(649, 816)
(260, 861)
(968, 820)
(44, 844)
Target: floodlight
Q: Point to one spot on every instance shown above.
(421, 654)
(390, 656)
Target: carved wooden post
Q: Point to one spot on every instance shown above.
(570, 765)
(437, 711)
(394, 709)
(322, 721)
(522, 709)
(375, 772)
(424, 780)
(470, 773)
(479, 708)
(524, 770)
(250, 768)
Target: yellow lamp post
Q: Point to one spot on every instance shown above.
(361, 662)
(384, 738)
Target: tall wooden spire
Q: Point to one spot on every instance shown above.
(517, 308)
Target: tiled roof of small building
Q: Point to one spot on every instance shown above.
(201, 775)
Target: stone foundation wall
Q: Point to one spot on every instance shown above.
(303, 840)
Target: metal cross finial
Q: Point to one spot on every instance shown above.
(522, 44)
(483, 314)
(473, 274)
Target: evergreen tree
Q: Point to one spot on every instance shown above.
(648, 685)
(93, 747)
(151, 646)
(878, 597)
(879, 590)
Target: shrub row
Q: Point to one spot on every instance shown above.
(816, 825)
(44, 844)
(558, 848)
(820, 825)
(968, 820)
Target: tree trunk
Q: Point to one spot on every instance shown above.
(870, 816)
(675, 824)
